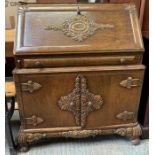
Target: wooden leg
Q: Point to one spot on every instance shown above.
(23, 145)
(133, 132)
(137, 132)
(23, 148)
(135, 140)
(24, 139)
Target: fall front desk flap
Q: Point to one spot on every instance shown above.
(89, 28)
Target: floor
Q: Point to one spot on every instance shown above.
(105, 145)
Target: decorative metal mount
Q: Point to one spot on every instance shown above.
(126, 115)
(34, 120)
(131, 82)
(30, 86)
(79, 27)
(130, 8)
(80, 101)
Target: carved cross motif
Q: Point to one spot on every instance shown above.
(80, 101)
(78, 27)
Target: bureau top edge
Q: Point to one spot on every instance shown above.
(57, 29)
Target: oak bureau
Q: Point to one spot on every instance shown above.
(78, 71)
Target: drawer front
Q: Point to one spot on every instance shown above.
(80, 61)
(92, 97)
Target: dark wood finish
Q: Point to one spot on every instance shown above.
(81, 82)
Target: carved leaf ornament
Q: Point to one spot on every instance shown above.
(78, 27)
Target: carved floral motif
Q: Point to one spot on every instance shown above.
(80, 101)
(78, 27)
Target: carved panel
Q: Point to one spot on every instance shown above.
(80, 101)
(78, 27)
(84, 133)
(89, 101)
(71, 102)
(124, 131)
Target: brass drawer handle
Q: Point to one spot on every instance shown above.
(131, 82)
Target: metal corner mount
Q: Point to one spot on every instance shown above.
(79, 27)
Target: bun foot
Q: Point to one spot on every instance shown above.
(23, 149)
(135, 140)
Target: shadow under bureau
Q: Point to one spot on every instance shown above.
(78, 73)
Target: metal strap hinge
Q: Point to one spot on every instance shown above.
(29, 86)
(126, 115)
(33, 120)
(131, 82)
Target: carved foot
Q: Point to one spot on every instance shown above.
(133, 132)
(135, 140)
(23, 146)
(137, 131)
(25, 138)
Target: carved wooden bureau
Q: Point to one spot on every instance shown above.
(78, 71)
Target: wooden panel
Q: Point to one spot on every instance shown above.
(123, 36)
(116, 99)
(44, 102)
(102, 81)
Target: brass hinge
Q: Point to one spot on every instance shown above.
(33, 120)
(29, 86)
(131, 82)
(126, 115)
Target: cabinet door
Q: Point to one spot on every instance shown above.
(87, 97)
(38, 96)
(120, 92)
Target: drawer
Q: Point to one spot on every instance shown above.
(80, 61)
(82, 97)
